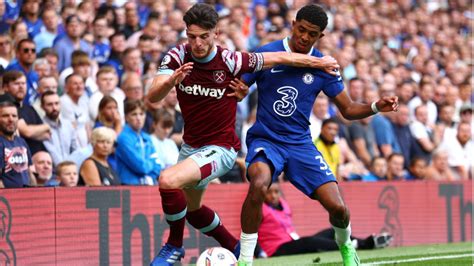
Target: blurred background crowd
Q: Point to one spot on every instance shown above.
(78, 72)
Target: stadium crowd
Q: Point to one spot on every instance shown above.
(74, 76)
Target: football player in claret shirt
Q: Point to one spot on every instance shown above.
(280, 140)
(202, 72)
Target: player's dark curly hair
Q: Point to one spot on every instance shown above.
(203, 15)
(314, 14)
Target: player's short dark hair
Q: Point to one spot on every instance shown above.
(203, 15)
(329, 120)
(314, 14)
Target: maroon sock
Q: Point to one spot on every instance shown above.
(207, 221)
(174, 208)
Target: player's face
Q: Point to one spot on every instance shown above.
(304, 36)
(201, 40)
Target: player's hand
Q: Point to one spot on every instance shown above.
(240, 89)
(181, 72)
(388, 104)
(329, 65)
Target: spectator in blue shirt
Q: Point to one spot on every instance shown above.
(137, 160)
(26, 56)
(49, 31)
(70, 42)
(30, 15)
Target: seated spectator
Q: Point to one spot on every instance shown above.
(81, 65)
(48, 33)
(327, 146)
(378, 170)
(395, 167)
(107, 81)
(109, 115)
(43, 170)
(26, 55)
(277, 235)
(439, 167)
(417, 169)
(16, 172)
(42, 68)
(401, 126)
(96, 171)
(48, 83)
(30, 125)
(362, 138)
(166, 148)
(71, 42)
(427, 138)
(67, 174)
(6, 50)
(63, 140)
(460, 149)
(137, 160)
(74, 107)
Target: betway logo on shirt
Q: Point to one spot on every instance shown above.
(202, 91)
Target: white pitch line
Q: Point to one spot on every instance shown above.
(420, 259)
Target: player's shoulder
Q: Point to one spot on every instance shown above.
(315, 52)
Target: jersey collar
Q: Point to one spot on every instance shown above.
(207, 58)
(288, 49)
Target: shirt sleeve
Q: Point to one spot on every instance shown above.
(240, 63)
(333, 85)
(172, 61)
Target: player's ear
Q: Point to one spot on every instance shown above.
(216, 32)
(321, 35)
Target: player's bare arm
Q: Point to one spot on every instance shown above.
(353, 110)
(240, 89)
(162, 84)
(326, 63)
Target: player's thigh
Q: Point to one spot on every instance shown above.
(264, 158)
(307, 170)
(183, 173)
(213, 161)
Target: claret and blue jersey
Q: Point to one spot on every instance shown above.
(286, 96)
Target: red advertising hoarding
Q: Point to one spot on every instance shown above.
(125, 225)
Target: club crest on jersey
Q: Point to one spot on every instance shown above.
(219, 76)
(308, 78)
(166, 60)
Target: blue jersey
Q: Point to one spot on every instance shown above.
(286, 96)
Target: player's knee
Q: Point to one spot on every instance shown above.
(340, 212)
(258, 188)
(165, 181)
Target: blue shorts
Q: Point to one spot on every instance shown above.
(303, 164)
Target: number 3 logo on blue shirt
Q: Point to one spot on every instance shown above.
(287, 105)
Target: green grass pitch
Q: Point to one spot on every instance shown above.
(456, 254)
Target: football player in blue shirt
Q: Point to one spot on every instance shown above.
(280, 140)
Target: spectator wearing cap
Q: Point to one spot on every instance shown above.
(49, 31)
(15, 170)
(26, 56)
(30, 125)
(71, 41)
